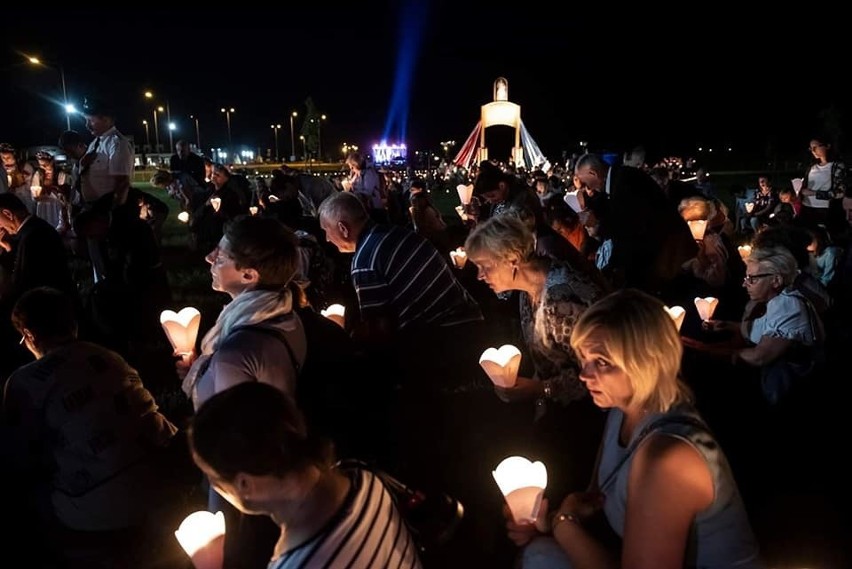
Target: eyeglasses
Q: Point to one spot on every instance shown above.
(751, 279)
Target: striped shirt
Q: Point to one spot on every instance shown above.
(367, 532)
(399, 274)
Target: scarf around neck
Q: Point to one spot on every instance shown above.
(248, 308)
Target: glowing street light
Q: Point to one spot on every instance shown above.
(197, 132)
(147, 134)
(172, 127)
(275, 128)
(293, 115)
(65, 104)
(304, 146)
(150, 95)
(228, 120)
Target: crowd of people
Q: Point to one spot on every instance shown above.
(631, 410)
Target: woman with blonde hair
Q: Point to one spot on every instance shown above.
(662, 481)
(553, 295)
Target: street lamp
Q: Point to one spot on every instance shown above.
(319, 138)
(172, 127)
(275, 128)
(292, 137)
(304, 146)
(197, 133)
(147, 135)
(150, 95)
(157, 127)
(68, 108)
(228, 120)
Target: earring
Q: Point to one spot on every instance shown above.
(514, 271)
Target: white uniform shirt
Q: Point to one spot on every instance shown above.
(114, 158)
(819, 178)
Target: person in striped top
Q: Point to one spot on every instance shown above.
(251, 442)
(400, 278)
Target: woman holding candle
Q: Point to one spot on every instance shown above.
(256, 338)
(783, 332)
(251, 443)
(662, 483)
(553, 295)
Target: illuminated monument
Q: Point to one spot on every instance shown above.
(500, 112)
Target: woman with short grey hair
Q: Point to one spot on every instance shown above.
(783, 332)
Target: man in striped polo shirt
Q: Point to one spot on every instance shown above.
(426, 332)
(401, 280)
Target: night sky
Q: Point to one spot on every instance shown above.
(612, 77)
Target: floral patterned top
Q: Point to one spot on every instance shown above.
(547, 328)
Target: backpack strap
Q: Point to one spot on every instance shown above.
(275, 334)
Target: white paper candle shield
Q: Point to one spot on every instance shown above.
(522, 484)
(181, 328)
(335, 313)
(216, 203)
(501, 364)
(697, 226)
(461, 212)
(744, 251)
(797, 184)
(677, 313)
(183, 216)
(253, 210)
(573, 200)
(706, 306)
(458, 257)
(36, 191)
(749, 207)
(198, 529)
(465, 193)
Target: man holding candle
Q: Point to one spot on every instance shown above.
(424, 334)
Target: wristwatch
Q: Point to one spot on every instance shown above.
(563, 517)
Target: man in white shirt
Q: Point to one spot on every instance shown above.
(105, 172)
(108, 163)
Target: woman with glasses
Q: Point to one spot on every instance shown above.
(782, 332)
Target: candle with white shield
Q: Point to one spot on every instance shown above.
(749, 207)
(465, 193)
(181, 328)
(501, 364)
(706, 306)
(253, 210)
(336, 313)
(697, 227)
(216, 203)
(797, 184)
(183, 217)
(677, 314)
(744, 251)
(522, 483)
(36, 192)
(458, 257)
(197, 531)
